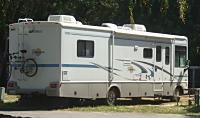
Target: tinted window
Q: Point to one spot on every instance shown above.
(85, 48)
(158, 53)
(167, 55)
(147, 53)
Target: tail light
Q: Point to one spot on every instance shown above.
(11, 84)
(55, 85)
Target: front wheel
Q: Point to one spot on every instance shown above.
(111, 97)
(30, 67)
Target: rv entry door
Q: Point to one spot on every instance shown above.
(162, 65)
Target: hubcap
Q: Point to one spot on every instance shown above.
(111, 97)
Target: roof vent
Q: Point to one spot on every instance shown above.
(110, 25)
(62, 18)
(124, 28)
(136, 27)
(79, 23)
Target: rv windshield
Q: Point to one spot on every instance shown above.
(180, 56)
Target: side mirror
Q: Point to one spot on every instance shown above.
(187, 65)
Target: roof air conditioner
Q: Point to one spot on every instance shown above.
(62, 18)
(136, 27)
(110, 25)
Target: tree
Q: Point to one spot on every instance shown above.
(165, 16)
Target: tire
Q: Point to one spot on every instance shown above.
(112, 97)
(30, 67)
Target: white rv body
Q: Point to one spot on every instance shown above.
(82, 61)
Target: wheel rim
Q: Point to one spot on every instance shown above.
(111, 97)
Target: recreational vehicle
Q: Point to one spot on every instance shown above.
(64, 58)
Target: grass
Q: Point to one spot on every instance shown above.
(186, 110)
(146, 105)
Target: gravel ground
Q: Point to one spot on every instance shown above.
(69, 114)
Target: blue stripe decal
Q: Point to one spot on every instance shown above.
(39, 65)
(15, 65)
(48, 65)
(63, 65)
(79, 65)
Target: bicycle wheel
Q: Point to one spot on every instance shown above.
(9, 70)
(30, 67)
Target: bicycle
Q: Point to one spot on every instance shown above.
(25, 66)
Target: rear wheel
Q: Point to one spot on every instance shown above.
(112, 97)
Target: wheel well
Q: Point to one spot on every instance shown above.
(180, 89)
(116, 90)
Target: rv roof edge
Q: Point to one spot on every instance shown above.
(181, 37)
(151, 34)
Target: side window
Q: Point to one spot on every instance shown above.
(158, 53)
(147, 53)
(167, 55)
(180, 56)
(85, 48)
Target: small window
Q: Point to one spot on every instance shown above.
(147, 53)
(158, 53)
(167, 55)
(85, 48)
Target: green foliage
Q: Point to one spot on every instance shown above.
(165, 16)
(164, 6)
(131, 7)
(183, 6)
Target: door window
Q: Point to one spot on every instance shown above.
(180, 56)
(158, 53)
(166, 55)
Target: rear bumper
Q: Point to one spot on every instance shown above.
(53, 92)
(18, 91)
(47, 92)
